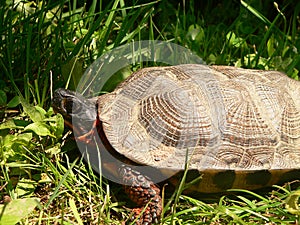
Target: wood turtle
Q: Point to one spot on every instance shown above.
(238, 128)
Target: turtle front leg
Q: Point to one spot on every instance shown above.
(144, 193)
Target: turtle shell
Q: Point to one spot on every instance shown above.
(219, 119)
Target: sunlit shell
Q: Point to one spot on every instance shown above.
(222, 118)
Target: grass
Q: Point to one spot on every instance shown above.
(46, 45)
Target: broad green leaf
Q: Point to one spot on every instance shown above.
(40, 128)
(13, 145)
(50, 112)
(8, 140)
(16, 210)
(5, 148)
(34, 113)
(56, 124)
(9, 124)
(23, 138)
(40, 109)
(13, 102)
(292, 203)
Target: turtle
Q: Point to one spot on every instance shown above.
(234, 127)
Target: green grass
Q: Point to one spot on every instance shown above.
(46, 45)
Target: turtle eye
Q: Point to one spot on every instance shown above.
(71, 107)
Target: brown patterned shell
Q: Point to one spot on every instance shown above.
(224, 118)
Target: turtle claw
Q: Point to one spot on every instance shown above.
(144, 193)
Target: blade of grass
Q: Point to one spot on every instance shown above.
(56, 191)
(75, 211)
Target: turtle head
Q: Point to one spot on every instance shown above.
(79, 113)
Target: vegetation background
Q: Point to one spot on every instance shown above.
(45, 45)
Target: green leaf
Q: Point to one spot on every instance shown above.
(35, 113)
(234, 40)
(13, 146)
(196, 33)
(292, 203)
(271, 45)
(16, 210)
(56, 124)
(40, 109)
(9, 124)
(3, 98)
(13, 102)
(8, 141)
(59, 126)
(25, 188)
(54, 149)
(40, 128)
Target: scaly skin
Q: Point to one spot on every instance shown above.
(144, 193)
